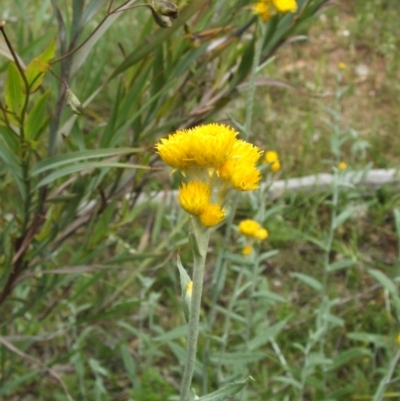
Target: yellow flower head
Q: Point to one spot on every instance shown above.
(398, 338)
(250, 228)
(262, 9)
(203, 146)
(214, 161)
(240, 169)
(212, 215)
(285, 6)
(247, 250)
(272, 158)
(342, 66)
(261, 234)
(342, 166)
(194, 196)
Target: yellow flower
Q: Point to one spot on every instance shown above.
(248, 227)
(342, 66)
(251, 228)
(212, 215)
(214, 161)
(261, 234)
(398, 339)
(194, 196)
(247, 250)
(240, 175)
(272, 158)
(262, 9)
(240, 169)
(203, 146)
(342, 166)
(285, 6)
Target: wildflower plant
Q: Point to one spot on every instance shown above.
(73, 176)
(214, 162)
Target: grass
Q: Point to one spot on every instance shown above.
(132, 347)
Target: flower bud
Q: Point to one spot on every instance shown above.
(73, 102)
(166, 8)
(161, 20)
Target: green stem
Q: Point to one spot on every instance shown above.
(252, 86)
(227, 323)
(202, 236)
(379, 395)
(216, 286)
(109, 13)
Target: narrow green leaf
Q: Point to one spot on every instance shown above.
(36, 117)
(342, 217)
(314, 241)
(92, 8)
(244, 66)
(226, 392)
(310, 281)
(18, 382)
(177, 332)
(396, 213)
(75, 157)
(288, 380)
(270, 296)
(13, 165)
(384, 281)
(83, 167)
(184, 276)
(376, 339)
(14, 94)
(160, 36)
(39, 66)
(267, 255)
(266, 335)
(129, 364)
(341, 264)
(348, 355)
(245, 357)
(185, 280)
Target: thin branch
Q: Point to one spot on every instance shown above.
(50, 371)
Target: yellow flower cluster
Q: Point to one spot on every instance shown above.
(272, 158)
(267, 8)
(253, 232)
(252, 229)
(214, 161)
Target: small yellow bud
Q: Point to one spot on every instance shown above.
(247, 250)
(342, 66)
(272, 158)
(73, 102)
(342, 166)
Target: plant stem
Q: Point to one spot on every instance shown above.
(252, 85)
(379, 395)
(109, 13)
(202, 236)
